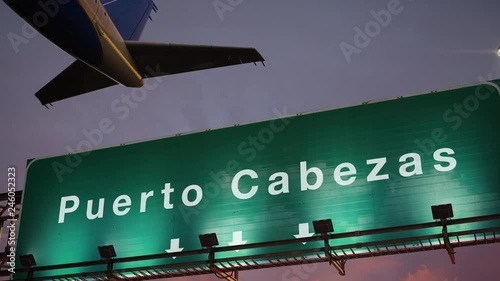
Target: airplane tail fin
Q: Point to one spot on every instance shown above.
(130, 16)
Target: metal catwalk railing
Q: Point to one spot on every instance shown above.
(337, 255)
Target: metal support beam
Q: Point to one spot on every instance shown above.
(230, 276)
(447, 243)
(109, 269)
(233, 276)
(30, 274)
(333, 259)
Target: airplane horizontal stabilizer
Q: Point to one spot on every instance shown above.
(76, 79)
(157, 59)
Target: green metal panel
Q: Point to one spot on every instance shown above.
(460, 124)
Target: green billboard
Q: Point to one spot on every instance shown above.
(365, 167)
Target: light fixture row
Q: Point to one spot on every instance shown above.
(209, 241)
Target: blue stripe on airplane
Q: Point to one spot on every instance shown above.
(129, 16)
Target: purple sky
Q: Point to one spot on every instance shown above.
(426, 45)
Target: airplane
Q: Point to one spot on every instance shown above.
(103, 37)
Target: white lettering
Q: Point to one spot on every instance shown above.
(144, 199)
(416, 163)
(338, 174)
(304, 172)
(167, 190)
(100, 209)
(452, 162)
(283, 182)
(235, 184)
(185, 195)
(379, 164)
(63, 209)
(120, 202)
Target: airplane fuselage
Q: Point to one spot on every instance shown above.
(83, 29)
(103, 36)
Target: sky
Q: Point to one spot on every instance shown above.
(314, 61)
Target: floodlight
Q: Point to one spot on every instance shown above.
(107, 252)
(27, 260)
(323, 226)
(208, 240)
(442, 212)
(498, 51)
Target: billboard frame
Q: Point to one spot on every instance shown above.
(336, 255)
(341, 252)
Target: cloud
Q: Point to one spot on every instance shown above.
(424, 274)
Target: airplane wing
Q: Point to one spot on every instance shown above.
(76, 79)
(158, 59)
(152, 59)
